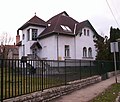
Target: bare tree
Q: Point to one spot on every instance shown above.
(6, 39)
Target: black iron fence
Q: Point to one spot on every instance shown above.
(18, 77)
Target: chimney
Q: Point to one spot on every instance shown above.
(1, 43)
(17, 37)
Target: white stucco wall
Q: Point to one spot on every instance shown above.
(85, 41)
(48, 50)
(40, 29)
(29, 43)
(66, 40)
(49, 45)
(20, 52)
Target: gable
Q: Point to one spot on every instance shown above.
(87, 24)
(34, 21)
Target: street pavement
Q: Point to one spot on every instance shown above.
(88, 93)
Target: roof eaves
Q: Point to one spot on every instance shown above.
(55, 32)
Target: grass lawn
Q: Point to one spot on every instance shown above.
(18, 81)
(109, 95)
(15, 84)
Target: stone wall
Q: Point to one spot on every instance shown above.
(55, 92)
(111, 74)
(118, 98)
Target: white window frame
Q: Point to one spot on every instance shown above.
(34, 34)
(84, 52)
(89, 52)
(67, 51)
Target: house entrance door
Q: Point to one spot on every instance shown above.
(34, 52)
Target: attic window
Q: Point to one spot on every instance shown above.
(49, 24)
(66, 28)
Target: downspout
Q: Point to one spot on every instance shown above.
(75, 40)
(57, 38)
(58, 50)
(57, 47)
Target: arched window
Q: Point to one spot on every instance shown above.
(85, 32)
(84, 52)
(89, 52)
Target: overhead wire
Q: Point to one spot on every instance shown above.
(116, 10)
(112, 13)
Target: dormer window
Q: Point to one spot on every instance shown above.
(49, 24)
(34, 34)
(66, 28)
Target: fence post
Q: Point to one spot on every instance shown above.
(80, 68)
(65, 74)
(90, 69)
(42, 74)
(2, 80)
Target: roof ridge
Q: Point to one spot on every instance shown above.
(57, 22)
(34, 20)
(34, 17)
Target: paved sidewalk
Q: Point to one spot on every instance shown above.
(88, 93)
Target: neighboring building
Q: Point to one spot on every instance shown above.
(9, 51)
(60, 38)
(1, 50)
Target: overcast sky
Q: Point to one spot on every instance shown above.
(14, 13)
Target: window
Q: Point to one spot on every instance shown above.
(84, 52)
(67, 51)
(66, 28)
(63, 27)
(34, 52)
(28, 34)
(85, 32)
(23, 50)
(90, 52)
(34, 34)
(49, 24)
(23, 36)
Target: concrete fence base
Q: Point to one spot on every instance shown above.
(55, 92)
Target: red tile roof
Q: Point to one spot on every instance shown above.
(36, 21)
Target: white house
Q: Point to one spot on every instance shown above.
(61, 37)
